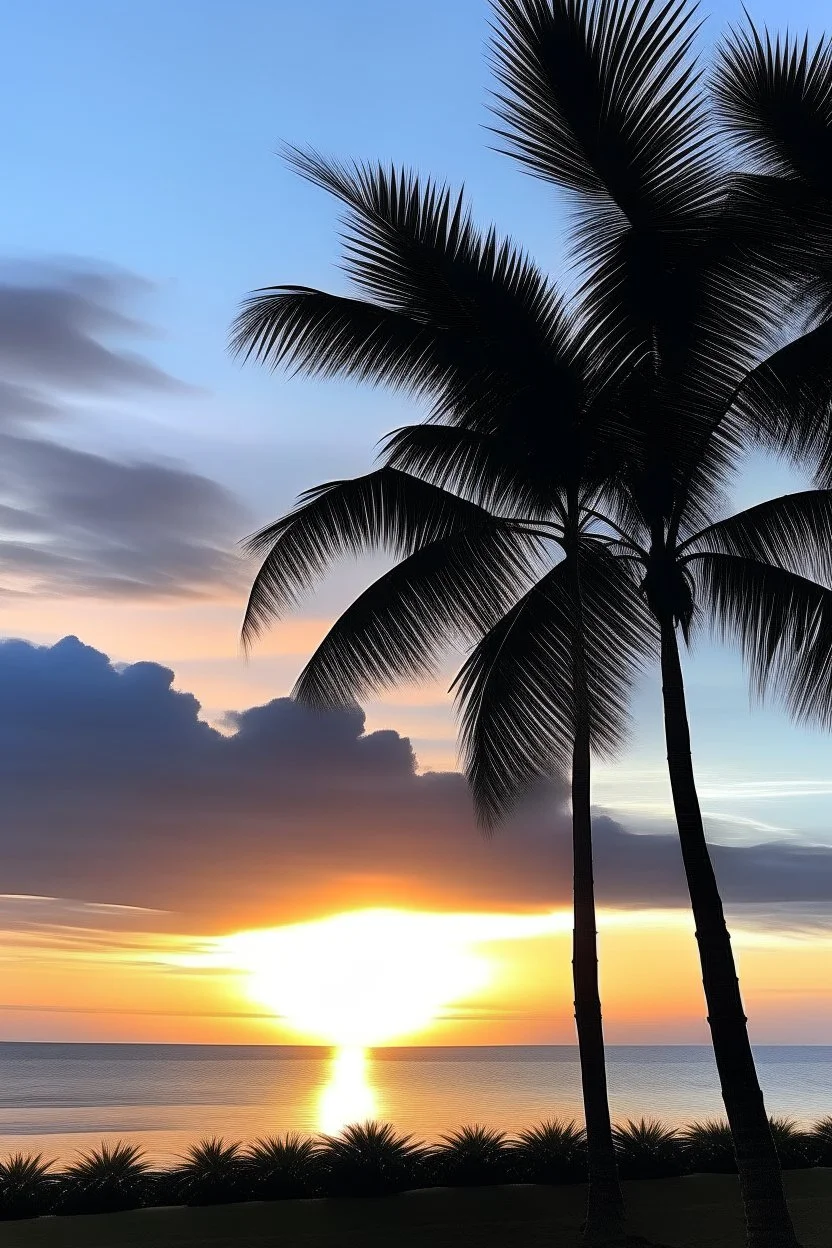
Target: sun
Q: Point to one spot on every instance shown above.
(359, 979)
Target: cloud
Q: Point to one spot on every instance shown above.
(114, 790)
(77, 523)
(54, 327)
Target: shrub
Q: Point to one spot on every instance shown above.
(26, 1186)
(553, 1152)
(821, 1137)
(370, 1159)
(212, 1173)
(648, 1150)
(709, 1147)
(280, 1168)
(108, 1179)
(472, 1157)
(794, 1145)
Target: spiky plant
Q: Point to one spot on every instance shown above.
(370, 1159)
(26, 1186)
(212, 1173)
(821, 1135)
(473, 1156)
(551, 1152)
(108, 1178)
(709, 1147)
(794, 1145)
(648, 1150)
(283, 1167)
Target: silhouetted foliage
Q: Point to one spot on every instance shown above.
(795, 1147)
(821, 1137)
(212, 1173)
(27, 1188)
(552, 1152)
(283, 1167)
(370, 1159)
(648, 1150)
(709, 1147)
(473, 1156)
(105, 1180)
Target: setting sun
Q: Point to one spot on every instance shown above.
(371, 976)
(358, 979)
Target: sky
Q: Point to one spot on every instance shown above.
(160, 792)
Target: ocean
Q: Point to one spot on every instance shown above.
(62, 1098)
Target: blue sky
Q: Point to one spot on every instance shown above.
(144, 138)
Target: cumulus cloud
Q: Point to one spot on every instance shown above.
(115, 791)
(73, 522)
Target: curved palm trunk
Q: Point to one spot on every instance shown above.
(605, 1204)
(768, 1221)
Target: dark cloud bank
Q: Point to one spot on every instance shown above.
(114, 790)
(72, 522)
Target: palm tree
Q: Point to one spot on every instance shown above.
(680, 295)
(469, 322)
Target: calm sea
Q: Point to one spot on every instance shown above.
(59, 1098)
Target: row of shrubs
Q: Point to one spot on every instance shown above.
(373, 1160)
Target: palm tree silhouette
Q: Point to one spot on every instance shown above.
(602, 429)
(473, 510)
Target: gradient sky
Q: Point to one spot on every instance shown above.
(142, 200)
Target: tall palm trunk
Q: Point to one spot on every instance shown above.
(768, 1222)
(605, 1204)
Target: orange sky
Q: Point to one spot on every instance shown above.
(85, 984)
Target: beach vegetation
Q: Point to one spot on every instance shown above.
(648, 1150)
(27, 1186)
(554, 1151)
(105, 1180)
(472, 1157)
(212, 1172)
(371, 1159)
(821, 1137)
(283, 1167)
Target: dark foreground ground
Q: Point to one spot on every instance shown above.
(700, 1211)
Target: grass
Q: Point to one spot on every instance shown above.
(700, 1211)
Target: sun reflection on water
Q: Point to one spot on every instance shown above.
(348, 1094)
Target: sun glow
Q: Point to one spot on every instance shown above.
(359, 979)
(367, 977)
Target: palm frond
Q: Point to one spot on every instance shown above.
(445, 593)
(312, 332)
(603, 98)
(386, 510)
(782, 623)
(500, 470)
(516, 692)
(775, 97)
(787, 400)
(792, 531)
(458, 315)
(412, 246)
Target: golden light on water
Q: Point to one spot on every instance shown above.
(348, 1094)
